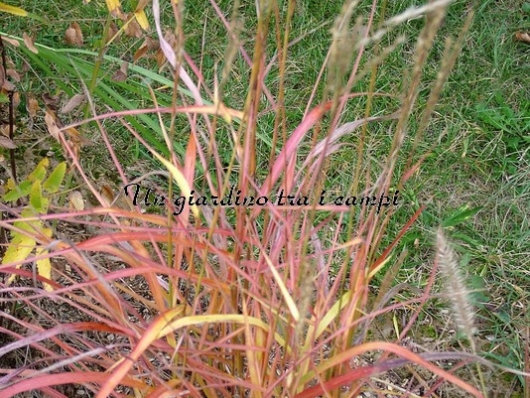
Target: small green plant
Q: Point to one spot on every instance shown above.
(513, 126)
(29, 228)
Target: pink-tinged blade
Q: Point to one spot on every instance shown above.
(286, 155)
(171, 56)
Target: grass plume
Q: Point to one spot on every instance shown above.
(455, 286)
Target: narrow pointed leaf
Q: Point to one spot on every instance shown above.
(55, 179)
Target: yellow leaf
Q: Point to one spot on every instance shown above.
(10, 185)
(44, 267)
(13, 10)
(39, 173)
(18, 250)
(114, 7)
(142, 19)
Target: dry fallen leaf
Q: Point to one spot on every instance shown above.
(16, 99)
(75, 201)
(131, 27)
(4, 129)
(147, 45)
(13, 74)
(113, 30)
(7, 85)
(32, 105)
(107, 195)
(52, 123)
(74, 35)
(7, 143)
(140, 53)
(73, 103)
(523, 37)
(121, 74)
(30, 43)
(172, 41)
(76, 137)
(51, 101)
(13, 42)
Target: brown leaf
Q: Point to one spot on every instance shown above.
(132, 28)
(7, 143)
(171, 39)
(74, 35)
(107, 194)
(13, 74)
(32, 105)
(52, 123)
(74, 102)
(76, 137)
(30, 43)
(140, 53)
(4, 129)
(76, 140)
(147, 45)
(51, 101)
(13, 42)
(523, 37)
(113, 30)
(121, 74)
(16, 99)
(142, 4)
(7, 85)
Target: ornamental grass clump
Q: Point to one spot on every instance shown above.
(208, 299)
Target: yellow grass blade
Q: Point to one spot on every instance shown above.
(180, 180)
(333, 313)
(285, 293)
(44, 266)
